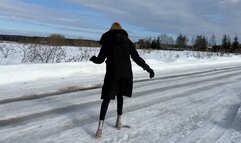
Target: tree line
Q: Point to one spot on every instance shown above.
(52, 40)
(162, 41)
(199, 43)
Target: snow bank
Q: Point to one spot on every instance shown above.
(29, 72)
(160, 61)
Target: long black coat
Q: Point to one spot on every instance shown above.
(117, 49)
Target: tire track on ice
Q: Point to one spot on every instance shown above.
(215, 133)
(87, 120)
(149, 87)
(83, 120)
(137, 95)
(170, 86)
(221, 119)
(182, 116)
(189, 116)
(72, 89)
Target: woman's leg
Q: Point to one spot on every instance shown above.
(103, 109)
(119, 111)
(119, 104)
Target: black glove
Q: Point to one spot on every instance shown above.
(92, 58)
(151, 72)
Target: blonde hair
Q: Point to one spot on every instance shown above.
(115, 26)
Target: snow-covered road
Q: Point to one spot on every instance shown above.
(201, 107)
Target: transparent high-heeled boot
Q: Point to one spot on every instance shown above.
(99, 129)
(118, 124)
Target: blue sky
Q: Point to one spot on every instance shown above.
(141, 18)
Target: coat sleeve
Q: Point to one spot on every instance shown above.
(137, 59)
(102, 54)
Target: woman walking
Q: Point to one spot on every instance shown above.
(117, 49)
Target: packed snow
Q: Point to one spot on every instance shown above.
(194, 97)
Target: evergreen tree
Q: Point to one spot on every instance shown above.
(226, 43)
(200, 43)
(153, 44)
(181, 41)
(235, 44)
(158, 44)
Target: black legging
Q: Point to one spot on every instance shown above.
(105, 104)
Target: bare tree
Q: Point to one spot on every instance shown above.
(212, 41)
(166, 39)
(35, 53)
(6, 50)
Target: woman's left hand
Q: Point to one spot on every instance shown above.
(151, 72)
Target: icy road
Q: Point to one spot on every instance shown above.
(190, 107)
